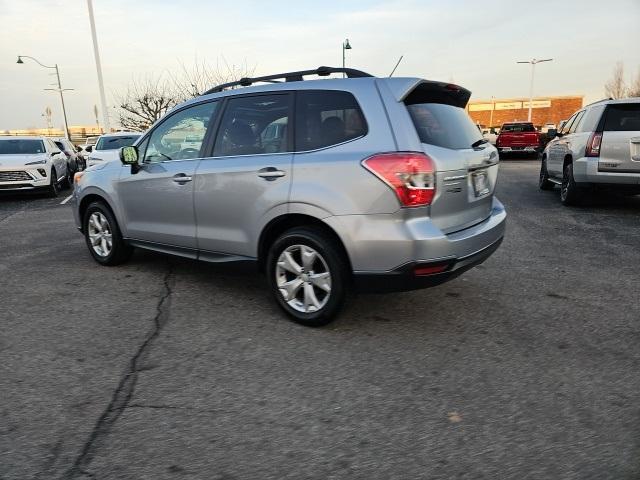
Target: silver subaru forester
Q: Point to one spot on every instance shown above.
(333, 185)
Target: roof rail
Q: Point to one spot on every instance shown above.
(289, 77)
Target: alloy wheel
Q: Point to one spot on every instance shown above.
(100, 235)
(303, 278)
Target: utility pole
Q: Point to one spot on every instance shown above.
(59, 89)
(96, 53)
(533, 63)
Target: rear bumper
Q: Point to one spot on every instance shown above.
(520, 149)
(385, 249)
(585, 170)
(405, 279)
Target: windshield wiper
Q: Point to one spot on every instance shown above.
(479, 142)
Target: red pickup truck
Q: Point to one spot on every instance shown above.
(518, 137)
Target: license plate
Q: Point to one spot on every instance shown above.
(480, 183)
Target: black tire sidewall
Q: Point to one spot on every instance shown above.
(543, 182)
(337, 264)
(120, 250)
(572, 193)
(53, 188)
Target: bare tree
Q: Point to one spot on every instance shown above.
(634, 88)
(193, 81)
(615, 87)
(145, 101)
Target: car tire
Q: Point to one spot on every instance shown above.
(53, 189)
(100, 226)
(301, 265)
(570, 192)
(544, 183)
(68, 179)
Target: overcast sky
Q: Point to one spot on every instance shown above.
(473, 43)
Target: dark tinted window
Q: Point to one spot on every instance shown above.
(254, 125)
(518, 127)
(622, 118)
(444, 125)
(26, 147)
(60, 145)
(112, 143)
(325, 118)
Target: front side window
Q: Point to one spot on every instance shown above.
(254, 125)
(21, 147)
(180, 136)
(565, 128)
(325, 118)
(116, 141)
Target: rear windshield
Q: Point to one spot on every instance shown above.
(112, 143)
(622, 118)
(444, 125)
(25, 147)
(518, 127)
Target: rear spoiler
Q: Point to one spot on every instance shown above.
(416, 90)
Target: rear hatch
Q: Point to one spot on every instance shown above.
(518, 136)
(620, 147)
(466, 164)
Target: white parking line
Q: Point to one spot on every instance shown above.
(66, 200)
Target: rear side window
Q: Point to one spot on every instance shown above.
(576, 122)
(622, 118)
(591, 119)
(444, 125)
(325, 118)
(518, 127)
(254, 125)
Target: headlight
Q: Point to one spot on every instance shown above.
(37, 162)
(77, 177)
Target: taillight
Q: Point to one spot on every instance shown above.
(410, 175)
(593, 145)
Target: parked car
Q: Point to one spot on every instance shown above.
(518, 137)
(74, 161)
(490, 134)
(385, 185)
(32, 163)
(107, 147)
(598, 147)
(84, 148)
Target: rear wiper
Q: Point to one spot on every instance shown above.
(479, 142)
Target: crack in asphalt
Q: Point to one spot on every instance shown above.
(124, 391)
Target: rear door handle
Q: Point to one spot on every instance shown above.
(270, 173)
(181, 178)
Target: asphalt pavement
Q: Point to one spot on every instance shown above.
(526, 367)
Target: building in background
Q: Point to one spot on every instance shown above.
(544, 110)
(79, 133)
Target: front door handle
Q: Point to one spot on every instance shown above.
(181, 178)
(270, 173)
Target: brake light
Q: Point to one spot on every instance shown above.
(410, 175)
(593, 145)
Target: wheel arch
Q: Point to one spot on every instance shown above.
(88, 200)
(282, 223)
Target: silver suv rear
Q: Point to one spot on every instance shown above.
(598, 147)
(362, 183)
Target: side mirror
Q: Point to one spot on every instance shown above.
(129, 156)
(89, 148)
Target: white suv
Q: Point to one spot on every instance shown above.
(108, 146)
(598, 147)
(30, 163)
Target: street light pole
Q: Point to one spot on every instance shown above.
(533, 63)
(345, 46)
(59, 90)
(96, 53)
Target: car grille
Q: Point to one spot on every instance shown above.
(16, 176)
